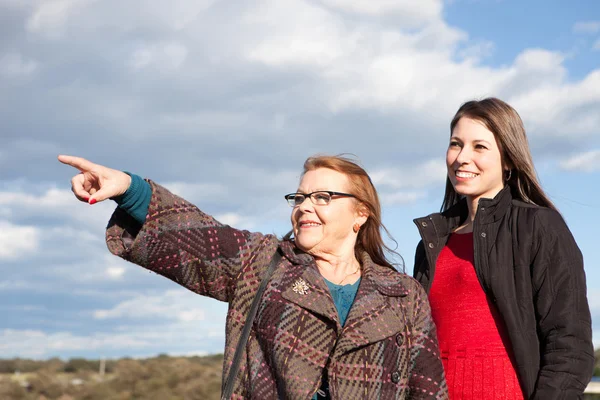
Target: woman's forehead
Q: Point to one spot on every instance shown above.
(323, 179)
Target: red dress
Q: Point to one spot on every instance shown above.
(473, 342)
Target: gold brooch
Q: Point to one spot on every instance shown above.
(300, 287)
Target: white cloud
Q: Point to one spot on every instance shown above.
(18, 241)
(52, 198)
(236, 220)
(23, 308)
(16, 3)
(173, 304)
(51, 16)
(358, 63)
(56, 203)
(196, 191)
(98, 267)
(311, 38)
(13, 65)
(168, 56)
(405, 10)
(69, 233)
(187, 124)
(163, 323)
(541, 60)
(115, 272)
(17, 285)
(36, 344)
(176, 15)
(413, 176)
(477, 51)
(589, 27)
(561, 109)
(401, 197)
(146, 340)
(585, 162)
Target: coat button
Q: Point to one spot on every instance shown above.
(399, 339)
(431, 246)
(395, 377)
(424, 223)
(483, 234)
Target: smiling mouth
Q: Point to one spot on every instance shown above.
(308, 224)
(465, 175)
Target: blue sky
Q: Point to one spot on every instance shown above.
(221, 101)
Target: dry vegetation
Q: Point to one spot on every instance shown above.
(162, 377)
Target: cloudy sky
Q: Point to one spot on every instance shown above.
(221, 101)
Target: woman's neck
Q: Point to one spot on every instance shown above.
(467, 225)
(472, 204)
(339, 269)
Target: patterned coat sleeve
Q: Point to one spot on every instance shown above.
(188, 246)
(426, 377)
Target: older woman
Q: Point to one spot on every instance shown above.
(336, 320)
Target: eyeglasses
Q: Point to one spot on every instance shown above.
(320, 198)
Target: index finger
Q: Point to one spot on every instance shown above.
(77, 162)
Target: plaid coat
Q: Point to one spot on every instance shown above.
(386, 350)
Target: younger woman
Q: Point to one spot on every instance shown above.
(504, 275)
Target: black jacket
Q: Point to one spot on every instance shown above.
(530, 266)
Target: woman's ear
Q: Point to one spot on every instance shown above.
(507, 165)
(362, 214)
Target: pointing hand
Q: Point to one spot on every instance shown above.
(95, 182)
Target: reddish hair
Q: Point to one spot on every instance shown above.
(369, 237)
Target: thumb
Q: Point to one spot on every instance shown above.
(99, 196)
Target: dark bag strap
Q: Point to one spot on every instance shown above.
(237, 358)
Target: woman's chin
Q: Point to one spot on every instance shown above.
(305, 246)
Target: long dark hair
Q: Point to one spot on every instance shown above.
(369, 237)
(506, 125)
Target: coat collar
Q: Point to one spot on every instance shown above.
(387, 281)
(303, 285)
(492, 210)
(488, 211)
(374, 315)
(371, 317)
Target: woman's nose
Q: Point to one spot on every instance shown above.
(464, 156)
(306, 205)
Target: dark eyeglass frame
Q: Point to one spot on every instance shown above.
(291, 198)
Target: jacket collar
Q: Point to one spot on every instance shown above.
(372, 302)
(488, 211)
(492, 210)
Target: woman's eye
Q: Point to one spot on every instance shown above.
(453, 144)
(480, 146)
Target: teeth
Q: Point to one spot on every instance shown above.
(309, 224)
(465, 175)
